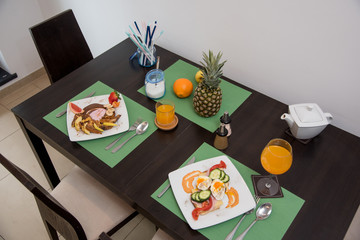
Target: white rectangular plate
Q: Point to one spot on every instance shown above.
(122, 123)
(246, 200)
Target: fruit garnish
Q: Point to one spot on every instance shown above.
(183, 87)
(115, 104)
(75, 108)
(199, 76)
(114, 97)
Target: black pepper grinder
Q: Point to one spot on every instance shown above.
(221, 140)
(225, 119)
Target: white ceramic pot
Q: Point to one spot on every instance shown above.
(306, 120)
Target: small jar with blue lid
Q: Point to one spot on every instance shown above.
(155, 84)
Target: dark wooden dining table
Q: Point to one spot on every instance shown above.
(325, 171)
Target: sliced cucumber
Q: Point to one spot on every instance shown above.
(215, 174)
(198, 197)
(204, 195)
(195, 196)
(225, 179)
(222, 175)
(201, 196)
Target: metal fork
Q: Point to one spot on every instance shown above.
(232, 233)
(132, 128)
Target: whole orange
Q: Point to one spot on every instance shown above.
(183, 87)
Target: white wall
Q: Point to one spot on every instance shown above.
(294, 51)
(18, 51)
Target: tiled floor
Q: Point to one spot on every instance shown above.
(19, 216)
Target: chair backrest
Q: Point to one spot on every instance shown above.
(61, 45)
(55, 217)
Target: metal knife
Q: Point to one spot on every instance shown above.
(63, 112)
(192, 160)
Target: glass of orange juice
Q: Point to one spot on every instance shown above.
(276, 158)
(165, 112)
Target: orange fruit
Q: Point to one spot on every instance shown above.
(75, 108)
(183, 87)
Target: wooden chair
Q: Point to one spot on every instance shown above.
(61, 45)
(78, 208)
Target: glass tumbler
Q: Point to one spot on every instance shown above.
(144, 60)
(165, 112)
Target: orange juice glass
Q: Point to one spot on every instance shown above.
(165, 112)
(276, 158)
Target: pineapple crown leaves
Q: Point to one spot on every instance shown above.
(212, 69)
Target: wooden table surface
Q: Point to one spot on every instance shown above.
(324, 172)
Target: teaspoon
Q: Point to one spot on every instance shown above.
(262, 213)
(139, 130)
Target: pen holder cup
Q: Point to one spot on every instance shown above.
(147, 60)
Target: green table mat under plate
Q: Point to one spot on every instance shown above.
(284, 209)
(233, 96)
(97, 146)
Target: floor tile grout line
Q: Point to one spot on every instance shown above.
(30, 82)
(133, 228)
(10, 134)
(7, 174)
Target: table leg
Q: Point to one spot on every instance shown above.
(41, 155)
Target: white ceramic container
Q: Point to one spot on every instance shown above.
(306, 120)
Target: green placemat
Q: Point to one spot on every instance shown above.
(284, 209)
(97, 146)
(233, 96)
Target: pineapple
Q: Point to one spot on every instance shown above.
(208, 95)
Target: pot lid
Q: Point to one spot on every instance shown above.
(308, 114)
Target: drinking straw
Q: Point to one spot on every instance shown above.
(147, 39)
(140, 43)
(152, 34)
(132, 38)
(137, 27)
(144, 39)
(157, 37)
